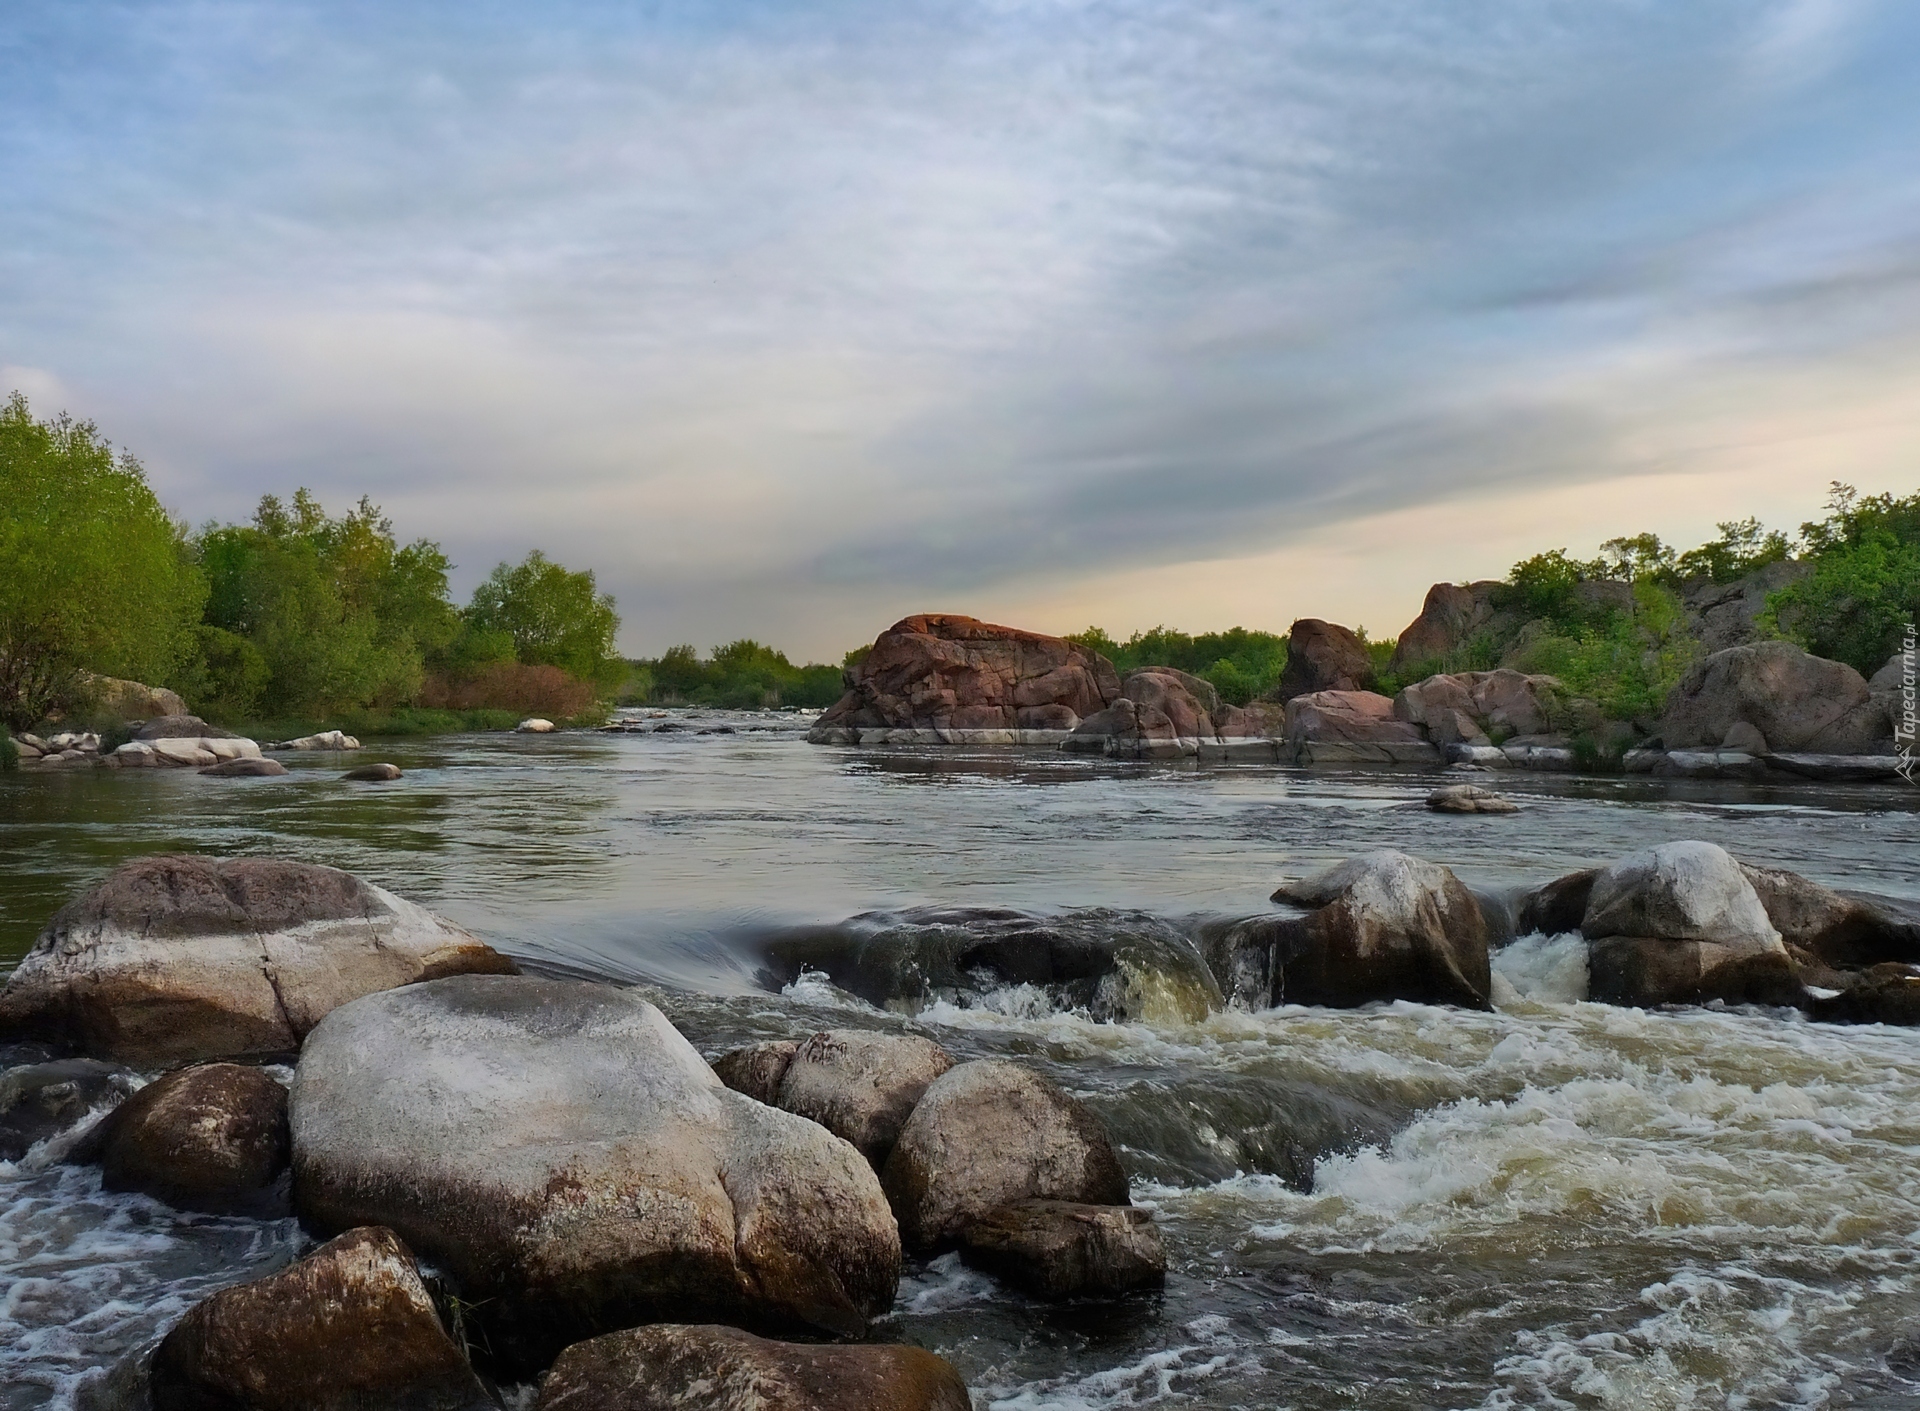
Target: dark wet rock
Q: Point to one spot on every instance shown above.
(1882, 994)
(176, 959)
(989, 1133)
(1113, 964)
(955, 676)
(1557, 908)
(349, 1328)
(1323, 656)
(1681, 924)
(246, 768)
(181, 727)
(571, 1162)
(1837, 768)
(693, 1367)
(1382, 926)
(372, 773)
(756, 1069)
(860, 1085)
(1839, 930)
(210, 1137)
(1469, 798)
(1796, 701)
(39, 1100)
(1060, 1249)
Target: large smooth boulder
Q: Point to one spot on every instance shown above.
(1323, 656)
(252, 768)
(349, 1328)
(1382, 926)
(1353, 727)
(694, 1367)
(572, 1163)
(986, 1134)
(860, 1085)
(1471, 707)
(131, 700)
(174, 959)
(1060, 1249)
(210, 1137)
(941, 677)
(1797, 702)
(39, 1100)
(1681, 924)
(1826, 926)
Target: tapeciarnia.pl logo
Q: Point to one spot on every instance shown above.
(1907, 727)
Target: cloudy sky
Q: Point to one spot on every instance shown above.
(791, 318)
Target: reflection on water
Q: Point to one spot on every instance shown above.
(1557, 1204)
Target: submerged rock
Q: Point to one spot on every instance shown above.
(756, 1069)
(39, 1100)
(861, 1086)
(174, 959)
(246, 768)
(348, 1328)
(211, 1137)
(989, 1133)
(1059, 1249)
(572, 1163)
(372, 774)
(696, 1367)
(1469, 798)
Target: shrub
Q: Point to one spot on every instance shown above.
(1865, 581)
(9, 751)
(530, 690)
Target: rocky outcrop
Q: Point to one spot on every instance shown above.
(571, 1162)
(1352, 727)
(1453, 615)
(1821, 925)
(130, 700)
(987, 1134)
(1793, 701)
(861, 1086)
(181, 727)
(1059, 1249)
(1681, 924)
(692, 1367)
(39, 1100)
(176, 959)
(1723, 615)
(348, 1328)
(940, 678)
(1167, 714)
(757, 1069)
(1323, 656)
(211, 1137)
(1469, 798)
(1472, 707)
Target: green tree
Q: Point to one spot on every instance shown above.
(1864, 583)
(556, 617)
(93, 576)
(1742, 547)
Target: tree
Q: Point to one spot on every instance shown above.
(1864, 586)
(93, 576)
(554, 616)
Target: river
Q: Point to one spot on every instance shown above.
(1554, 1204)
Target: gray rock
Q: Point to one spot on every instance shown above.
(1743, 737)
(989, 1133)
(571, 1162)
(246, 769)
(682, 1367)
(1058, 1249)
(38, 1100)
(349, 1328)
(861, 1086)
(1837, 768)
(373, 773)
(1557, 908)
(175, 959)
(210, 1137)
(1817, 922)
(1796, 701)
(756, 1069)
(1469, 798)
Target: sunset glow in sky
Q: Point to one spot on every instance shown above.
(790, 319)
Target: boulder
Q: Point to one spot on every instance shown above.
(534, 725)
(1681, 924)
(1846, 933)
(246, 769)
(1557, 908)
(210, 1137)
(182, 753)
(693, 1367)
(349, 1328)
(130, 700)
(174, 959)
(1166, 714)
(181, 727)
(1723, 615)
(372, 774)
(986, 1134)
(861, 1086)
(1883, 994)
(1469, 707)
(1323, 656)
(1469, 798)
(1839, 768)
(950, 679)
(325, 740)
(39, 1100)
(1353, 727)
(1744, 738)
(1450, 618)
(756, 1069)
(1382, 926)
(1797, 702)
(1059, 1249)
(571, 1162)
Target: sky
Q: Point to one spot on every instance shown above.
(790, 319)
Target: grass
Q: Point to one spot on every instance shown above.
(407, 721)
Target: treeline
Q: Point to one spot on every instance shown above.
(742, 675)
(1241, 664)
(295, 614)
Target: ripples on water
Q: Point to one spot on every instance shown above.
(1556, 1204)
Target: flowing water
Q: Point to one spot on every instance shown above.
(1554, 1204)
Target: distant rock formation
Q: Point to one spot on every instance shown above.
(1323, 656)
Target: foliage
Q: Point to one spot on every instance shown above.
(402, 721)
(511, 685)
(1242, 664)
(1743, 546)
(1864, 587)
(92, 576)
(742, 675)
(554, 617)
(9, 751)
(1627, 661)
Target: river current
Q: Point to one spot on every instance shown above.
(1557, 1204)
